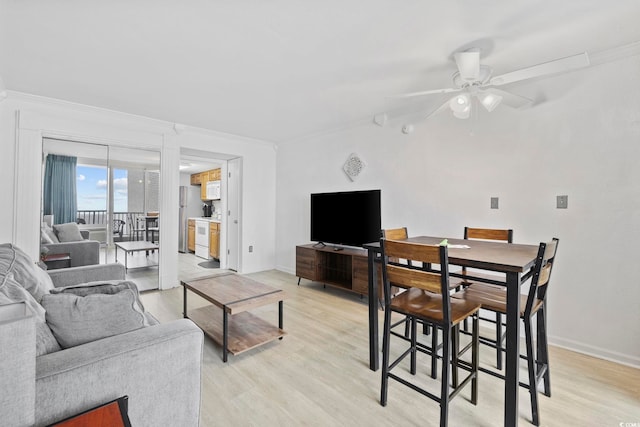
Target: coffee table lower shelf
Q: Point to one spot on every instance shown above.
(246, 331)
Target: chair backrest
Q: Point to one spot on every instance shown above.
(434, 281)
(541, 273)
(395, 233)
(488, 234)
(118, 226)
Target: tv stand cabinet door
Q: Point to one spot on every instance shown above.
(360, 277)
(306, 263)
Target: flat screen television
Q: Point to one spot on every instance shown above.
(349, 218)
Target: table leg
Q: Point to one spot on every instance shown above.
(511, 387)
(374, 353)
(280, 318)
(184, 301)
(105, 254)
(126, 253)
(225, 334)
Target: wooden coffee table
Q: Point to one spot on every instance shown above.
(227, 321)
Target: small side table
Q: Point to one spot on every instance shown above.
(55, 261)
(112, 414)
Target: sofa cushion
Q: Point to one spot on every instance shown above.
(44, 237)
(10, 292)
(68, 232)
(47, 233)
(76, 320)
(108, 287)
(15, 262)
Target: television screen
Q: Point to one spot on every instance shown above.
(349, 218)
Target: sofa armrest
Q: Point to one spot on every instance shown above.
(84, 252)
(158, 367)
(89, 273)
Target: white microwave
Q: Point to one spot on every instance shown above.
(213, 190)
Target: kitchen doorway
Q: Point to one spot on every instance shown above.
(205, 180)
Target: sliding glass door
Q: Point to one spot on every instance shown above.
(109, 193)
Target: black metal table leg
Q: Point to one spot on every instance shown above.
(374, 360)
(225, 334)
(511, 387)
(184, 301)
(280, 315)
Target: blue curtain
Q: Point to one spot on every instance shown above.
(60, 188)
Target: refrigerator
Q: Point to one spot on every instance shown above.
(182, 216)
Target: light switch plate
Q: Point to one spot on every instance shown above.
(494, 203)
(562, 202)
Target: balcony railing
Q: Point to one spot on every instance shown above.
(99, 218)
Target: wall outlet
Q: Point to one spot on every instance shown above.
(562, 202)
(251, 248)
(494, 203)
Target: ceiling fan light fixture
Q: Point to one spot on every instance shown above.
(460, 103)
(462, 114)
(489, 100)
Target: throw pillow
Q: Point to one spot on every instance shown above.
(15, 262)
(108, 287)
(68, 232)
(49, 233)
(44, 237)
(10, 292)
(76, 320)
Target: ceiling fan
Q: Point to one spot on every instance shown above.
(473, 80)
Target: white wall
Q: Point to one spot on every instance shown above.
(40, 116)
(584, 142)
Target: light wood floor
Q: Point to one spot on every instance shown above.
(318, 374)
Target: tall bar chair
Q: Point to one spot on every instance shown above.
(426, 299)
(501, 235)
(532, 304)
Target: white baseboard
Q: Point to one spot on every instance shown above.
(286, 270)
(612, 356)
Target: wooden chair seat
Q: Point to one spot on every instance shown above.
(493, 297)
(428, 306)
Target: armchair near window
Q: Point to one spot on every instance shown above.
(81, 250)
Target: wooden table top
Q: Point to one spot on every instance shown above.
(234, 292)
(487, 255)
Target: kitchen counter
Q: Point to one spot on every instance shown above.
(202, 218)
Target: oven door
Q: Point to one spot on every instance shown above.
(202, 233)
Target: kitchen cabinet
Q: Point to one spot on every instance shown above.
(191, 235)
(214, 240)
(202, 178)
(203, 191)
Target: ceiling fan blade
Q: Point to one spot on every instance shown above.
(426, 92)
(468, 63)
(561, 65)
(510, 99)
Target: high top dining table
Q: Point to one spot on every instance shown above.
(515, 260)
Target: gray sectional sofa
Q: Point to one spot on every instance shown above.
(156, 365)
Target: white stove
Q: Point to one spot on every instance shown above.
(202, 239)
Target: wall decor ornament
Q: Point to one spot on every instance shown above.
(353, 166)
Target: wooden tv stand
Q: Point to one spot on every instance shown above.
(345, 268)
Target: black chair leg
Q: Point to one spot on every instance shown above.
(499, 341)
(543, 348)
(475, 359)
(444, 393)
(434, 353)
(414, 339)
(455, 348)
(385, 357)
(531, 360)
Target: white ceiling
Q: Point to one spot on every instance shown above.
(281, 70)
